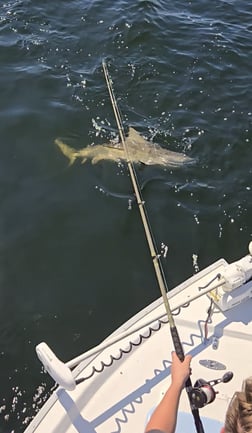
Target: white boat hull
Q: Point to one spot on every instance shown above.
(126, 380)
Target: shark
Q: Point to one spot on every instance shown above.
(139, 150)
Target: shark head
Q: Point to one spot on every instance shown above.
(150, 153)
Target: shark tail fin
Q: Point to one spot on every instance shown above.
(68, 151)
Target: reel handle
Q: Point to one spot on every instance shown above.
(224, 379)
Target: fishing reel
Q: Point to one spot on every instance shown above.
(204, 393)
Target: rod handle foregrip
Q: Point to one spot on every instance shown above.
(177, 344)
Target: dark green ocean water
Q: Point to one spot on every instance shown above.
(74, 262)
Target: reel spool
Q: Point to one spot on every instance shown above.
(203, 392)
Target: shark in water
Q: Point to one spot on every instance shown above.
(139, 151)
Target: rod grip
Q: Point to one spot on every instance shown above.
(177, 344)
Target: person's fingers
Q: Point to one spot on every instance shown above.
(174, 355)
(188, 359)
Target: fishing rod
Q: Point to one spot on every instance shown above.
(153, 251)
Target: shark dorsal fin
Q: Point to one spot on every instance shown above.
(136, 139)
(134, 135)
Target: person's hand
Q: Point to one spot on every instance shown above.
(180, 371)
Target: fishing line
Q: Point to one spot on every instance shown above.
(150, 239)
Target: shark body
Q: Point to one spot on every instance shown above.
(139, 151)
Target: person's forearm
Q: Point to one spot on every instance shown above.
(164, 417)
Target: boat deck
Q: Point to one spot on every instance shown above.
(126, 380)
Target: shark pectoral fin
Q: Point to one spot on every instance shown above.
(72, 159)
(96, 159)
